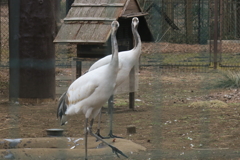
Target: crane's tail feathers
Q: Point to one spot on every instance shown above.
(62, 107)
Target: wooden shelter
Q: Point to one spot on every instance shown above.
(87, 24)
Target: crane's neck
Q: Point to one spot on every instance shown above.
(114, 44)
(136, 51)
(136, 37)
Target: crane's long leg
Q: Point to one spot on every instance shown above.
(110, 112)
(99, 122)
(98, 128)
(114, 149)
(86, 135)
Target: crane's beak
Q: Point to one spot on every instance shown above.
(64, 120)
(115, 24)
(135, 22)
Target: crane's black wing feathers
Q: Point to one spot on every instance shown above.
(62, 107)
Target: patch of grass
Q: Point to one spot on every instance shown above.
(230, 79)
(186, 117)
(121, 102)
(137, 121)
(207, 104)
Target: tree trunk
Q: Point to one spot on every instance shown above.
(37, 29)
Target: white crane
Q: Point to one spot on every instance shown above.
(89, 92)
(127, 60)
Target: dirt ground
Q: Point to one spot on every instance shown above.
(166, 122)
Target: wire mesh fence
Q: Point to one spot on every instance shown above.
(4, 28)
(182, 29)
(168, 121)
(229, 33)
(185, 29)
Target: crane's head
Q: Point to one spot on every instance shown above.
(115, 25)
(135, 22)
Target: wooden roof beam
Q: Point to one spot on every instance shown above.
(98, 5)
(137, 14)
(89, 19)
(77, 41)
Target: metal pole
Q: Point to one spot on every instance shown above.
(14, 13)
(0, 33)
(215, 41)
(210, 31)
(220, 30)
(238, 19)
(199, 23)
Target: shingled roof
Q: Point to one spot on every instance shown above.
(88, 21)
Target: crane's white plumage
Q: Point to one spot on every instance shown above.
(127, 59)
(89, 92)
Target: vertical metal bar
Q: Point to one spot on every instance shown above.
(78, 68)
(220, 30)
(209, 30)
(238, 19)
(188, 21)
(0, 32)
(14, 19)
(14, 13)
(199, 24)
(215, 41)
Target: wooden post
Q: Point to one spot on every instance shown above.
(132, 89)
(131, 129)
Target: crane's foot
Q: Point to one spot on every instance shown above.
(117, 152)
(99, 135)
(112, 136)
(114, 149)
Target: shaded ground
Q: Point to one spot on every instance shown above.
(166, 124)
(63, 148)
